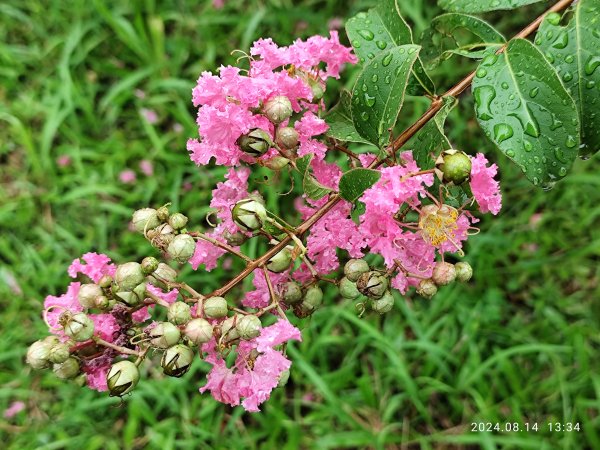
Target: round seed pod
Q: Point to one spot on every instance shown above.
(67, 369)
(453, 167)
(348, 289)
(198, 331)
(128, 276)
(464, 271)
(278, 109)
(182, 248)
(280, 261)
(178, 221)
(384, 304)
(291, 293)
(427, 288)
(355, 268)
(122, 377)
(149, 265)
(145, 219)
(215, 307)
(313, 298)
(256, 143)
(88, 293)
(59, 353)
(105, 281)
(248, 327)
(249, 214)
(164, 335)
(177, 360)
(443, 273)
(288, 137)
(38, 354)
(163, 213)
(372, 284)
(79, 327)
(179, 313)
(229, 332)
(235, 239)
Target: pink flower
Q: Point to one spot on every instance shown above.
(127, 176)
(96, 370)
(218, 4)
(150, 115)
(55, 306)
(14, 409)
(105, 326)
(95, 266)
(485, 189)
(147, 167)
(310, 125)
(260, 297)
(207, 253)
(228, 193)
(64, 161)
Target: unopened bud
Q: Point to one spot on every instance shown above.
(215, 307)
(88, 293)
(348, 289)
(355, 268)
(164, 335)
(464, 271)
(163, 213)
(122, 377)
(198, 331)
(165, 272)
(182, 248)
(67, 369)
(178, 221)
(383, 304)
(372, 284)
(229, 332)
(256, 143)
(177, 360)
(313, 298)
(179, 313)
(280, 261)
(288, 137)
(102, 302)
(59, 353)
(453, 167)
(318, 89)
(291, 293)
(248, 327)
(38, 354)
(145, 219)
(278, 109)
(149, 265)
(105, 281)
(128, 276)
(236, 239)
(129, 298)
(443, 273)
(276, 163)
(79, 327)
(249, 214)
(427, 288)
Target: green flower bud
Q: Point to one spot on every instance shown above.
(215, 307)
(355, 268)
(276, 163)
(145, 219)
(140, 291)
(464, 271)
(235, 239)
(283, 378)
(372, 284)
(163, 213)
(164, 335)
(348, 289)
(178, 221)
(51, 340)
(280, 261)
(165, 272)
(128, 276)
(198, 331)
(88, 293)
(248, 326)
(102, 302)
(105, 281)
(79, 327)
(177, 360)
(38, 354)
(249, 214)
(318, 89)
(313, 298)
(149, 265)
(67, 369)
(182, 248)
(427, 288)
(453, 167)
(291, 293)
(59, 353)
(383, 304)
(122, 377)
(443, 273)
(288, 137)
(179, 313)
(278, 109)
(256, 143)
(229, 332)
(161, 235)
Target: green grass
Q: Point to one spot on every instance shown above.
(519, 343)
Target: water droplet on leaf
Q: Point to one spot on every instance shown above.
(502, 132)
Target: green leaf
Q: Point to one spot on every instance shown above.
(356, 181)
(379, 93)
(430, 140)
(460, 34)
(525, 110)
(479, 6)
(339, 119)
(312, 188)
(380, 29)
(574, 50)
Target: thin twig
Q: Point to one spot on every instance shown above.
(118, 348)
(222, 245)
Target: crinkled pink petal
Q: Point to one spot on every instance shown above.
(55, 306)
(95, 266)
(260, 297)
(105, 326)
(485, 189)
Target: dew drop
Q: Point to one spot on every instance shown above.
(560, 155)
(483, 101)
(549, 34)
(502, 132)
(510, 153)
(370, 55)
(536, 181)
(562, 171)
(364, 116)
(549, 57)
(387, 79)
(561, 41)
(504, 85)
(387, 60)
(481, 73)
(527, 145)
(568, 76)
(569, 59)
(381, 45)
(356, 44)
(489, 60)
(590, 84)
(411, 50)
(365, 88)
(534, 92)
(556, 123)
(571, 142)
(374, 78)
(592, 64)
(553, 18)
(366, 34)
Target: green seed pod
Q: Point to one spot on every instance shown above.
(38, 354)
(88, 293)
(163, 213)
(235, 239)
(464, 271)
(248, 327)
(51, 340)
(149, 265)
(177, 360)
(313, 298)
(278, 109)
(105, 281)
(256, 143)
(229, 332)
(453, 167)
(129, 298)
(280, 261)
(182, 248)
(178, 221)
(383, 304)
(179, 313)
(427, 288)
(102, 302)
(348, 289)
(318, 89)
(145, 219)
(276, 163)
(164, 335)
(59, 353)
(372, 284)
(355, 268)
(79, 327)
(67, 369)
(443, 273)
(122, 377)
(249, 214)
(198, 331)
(288, 137)
(215, 307)
(164, 272)
(128, 276)
(291, 293)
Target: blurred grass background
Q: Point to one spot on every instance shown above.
(518, 344)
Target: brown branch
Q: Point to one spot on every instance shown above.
(402, 139)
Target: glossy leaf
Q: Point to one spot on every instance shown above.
(312, 188)
(378, 94)
(339, 119)
(525, 110)
(356, 181)
(430, 140)
(380, 29)
(574, 50)
(459, 34)
(479, 6)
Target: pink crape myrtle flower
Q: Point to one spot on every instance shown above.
(55, 306)
(147, 167)
(127, 176)
(14, 409)
(95, 266)
(260, 297)
(485, 189)
(150, 115)
(310, 125)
